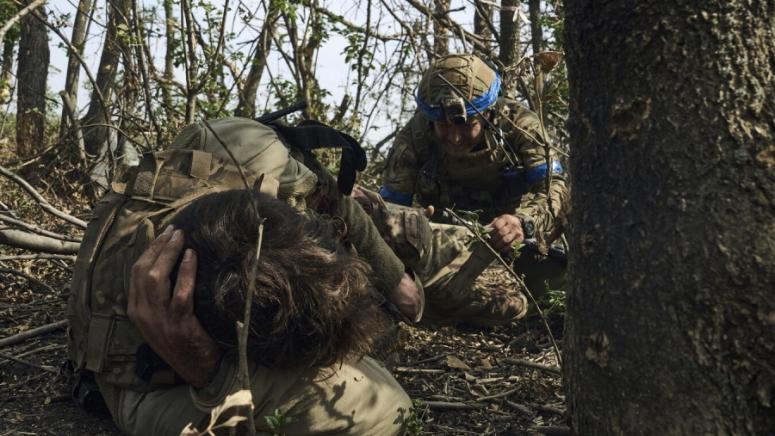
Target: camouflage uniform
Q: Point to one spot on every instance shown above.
(493, 179)
(144, 396)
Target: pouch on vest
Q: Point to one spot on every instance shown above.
(102, 339)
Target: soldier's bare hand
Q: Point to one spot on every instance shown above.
(165, 316)
(407, 298)
(506, 231)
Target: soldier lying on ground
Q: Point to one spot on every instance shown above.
(315, 316)
(142, 202)
(469, 149)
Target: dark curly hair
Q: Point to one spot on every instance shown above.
(314, 304)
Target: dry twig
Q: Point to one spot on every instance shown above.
(32, 333)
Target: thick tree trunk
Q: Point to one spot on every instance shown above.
(95, 131)
(32, 71)
(672, 309)
(536, 29)
(78, 40)
(247, 97)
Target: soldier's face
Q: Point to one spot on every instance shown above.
(458, 139)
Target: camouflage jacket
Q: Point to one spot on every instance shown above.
(493, 179)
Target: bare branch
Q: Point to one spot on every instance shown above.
(28, 278)
(36, 229)
(40, 243)
(40, 200)
(13, 20)
(23, 336)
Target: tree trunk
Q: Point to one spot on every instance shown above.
(95, 131)
(6, 75)
(672, 311)
(32, 71)
(78, 40)
(247, 97)
(169, 58)
(536, 29)
(509, 41)
(440, 37)
(483, 22)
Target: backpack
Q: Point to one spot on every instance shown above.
(101, 339)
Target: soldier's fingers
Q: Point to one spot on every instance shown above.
(158, 286)
(137, 282)
(183, 296)
(168, 256)
(150, 254)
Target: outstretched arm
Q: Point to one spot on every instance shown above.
(165, 316)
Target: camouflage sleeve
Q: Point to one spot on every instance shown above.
(361, 231)
(542, 205)
(363, 234)
(401, 169)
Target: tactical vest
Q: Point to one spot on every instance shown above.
(489, 180)
(101, 338)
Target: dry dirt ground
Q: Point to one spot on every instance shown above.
(465, 381)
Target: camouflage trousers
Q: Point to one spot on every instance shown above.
(463, 282)
(354, 398)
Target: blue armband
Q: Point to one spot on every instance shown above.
(538, 172)
(401, 198)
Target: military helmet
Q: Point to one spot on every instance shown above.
(456, 87)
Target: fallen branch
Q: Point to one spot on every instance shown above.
(35, 229)
(521, 408)
(38, 257)
(419, 370)
(445, 405)
(498, 395)
(33, 242)
(32, 333)
(29, 278)
(45, 205)
(535, 365)
(25, 362)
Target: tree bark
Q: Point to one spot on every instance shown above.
(440, 37)
(483, 22)
(37, 243)
(95, 131)
(31, 73)
(509, 41)
(671, 311)
(78, 40)
(169, 61)
(6, 76)
(247, 97)
(536, 29)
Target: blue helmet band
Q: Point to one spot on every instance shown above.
(473, 107)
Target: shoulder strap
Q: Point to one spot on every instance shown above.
(312, 135)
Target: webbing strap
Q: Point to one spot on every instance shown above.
(312, 135)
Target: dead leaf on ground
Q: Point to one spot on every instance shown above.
(454, 362)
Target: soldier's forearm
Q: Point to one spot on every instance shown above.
(363, 234)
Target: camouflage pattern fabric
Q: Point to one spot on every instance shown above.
(492, 179)
(449, 261)
(358, 398)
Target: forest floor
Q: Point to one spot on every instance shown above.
(500, 381)
(464, 381)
